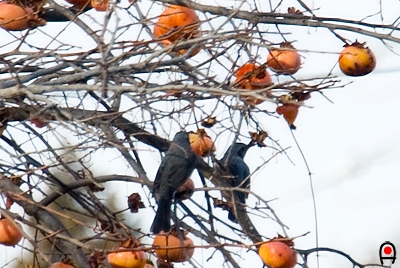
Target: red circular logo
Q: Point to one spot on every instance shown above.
(387, 250)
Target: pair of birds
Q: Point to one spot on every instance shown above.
(179, 163)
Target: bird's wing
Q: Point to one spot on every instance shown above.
(173, 171)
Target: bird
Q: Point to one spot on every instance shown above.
(175, 168)
(233, 162)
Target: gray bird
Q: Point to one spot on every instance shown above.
(233, 161)
(175, 168)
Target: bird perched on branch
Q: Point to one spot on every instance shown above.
(233, 162)
(175, 168)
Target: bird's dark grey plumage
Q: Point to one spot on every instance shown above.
(176, 166)
(233, 161)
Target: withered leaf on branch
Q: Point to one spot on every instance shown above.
(209, 122)
(286, 240)
(259, 137)
(293, 10)
(135, 202)
(221, 204)
(106, 225)
(301, 96)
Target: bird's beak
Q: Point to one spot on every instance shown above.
(251, 144)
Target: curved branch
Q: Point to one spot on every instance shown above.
(290, 19)
(307, 252)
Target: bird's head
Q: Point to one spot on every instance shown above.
(239, 149)
(181, 137)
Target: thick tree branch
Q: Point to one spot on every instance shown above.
(291, 19)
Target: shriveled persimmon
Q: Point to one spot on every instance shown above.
(284, 60)
(14, 17)
(276, 254)
(253, 77)
(9, 233)
(289, 112)
(201, 143)
(181, 254)
(357, 60)
(177, 23)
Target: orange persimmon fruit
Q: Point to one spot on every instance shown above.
(357, 60)
(284, 60)
(276, 254)
(14, 17)
(127, 259)
(9, 233)
(171, 240)
(177, 23)
(252, 77)
(201, 143)
(61, 265)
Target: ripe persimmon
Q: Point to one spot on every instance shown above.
(14, 17)
(357, 60)
(127, 259)
(201, 143)
(99, 5)
(251, 76)
(61, 265)
(177, 23)
(171, 240)
(9, 233)
(284, 60)
(276, 254)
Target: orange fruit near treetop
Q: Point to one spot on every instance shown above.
(357, 60)
(14, 17)
(179, 19)
(9, 234)
(177, 23)
(251, 76)
(176, 254)
(284, 60)
(276, 254)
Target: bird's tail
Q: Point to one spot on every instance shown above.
(162, 220)
(232, 217)
(240, 199)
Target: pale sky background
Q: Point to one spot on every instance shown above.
(351, 147)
